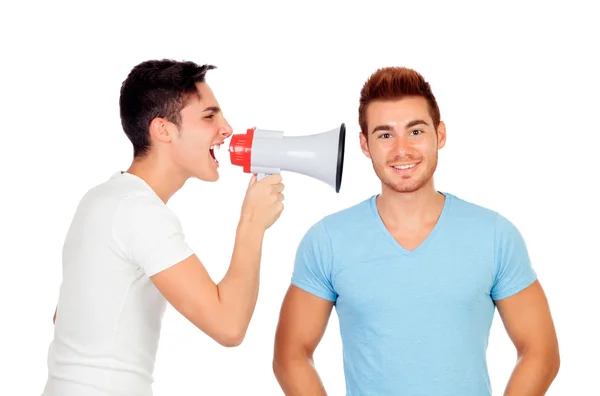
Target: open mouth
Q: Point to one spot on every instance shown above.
(212, 149)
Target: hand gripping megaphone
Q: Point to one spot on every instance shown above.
(265, 152)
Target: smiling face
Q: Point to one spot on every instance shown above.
(202, 128)
(402, 143)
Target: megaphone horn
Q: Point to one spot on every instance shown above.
(266, 152)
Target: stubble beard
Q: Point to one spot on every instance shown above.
(408, 183)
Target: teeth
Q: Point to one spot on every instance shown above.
(404, 166)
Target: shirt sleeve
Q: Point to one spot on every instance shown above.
(513, 270)
(149, 234)
(314, 262)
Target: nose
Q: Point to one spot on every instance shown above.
(402, 146)
(402, 143)
(226, 129)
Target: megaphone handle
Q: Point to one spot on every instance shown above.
(261, 175)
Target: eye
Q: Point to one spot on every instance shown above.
(385, 136)
(416, 130)
(210, 116)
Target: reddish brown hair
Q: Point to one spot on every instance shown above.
(395, 83)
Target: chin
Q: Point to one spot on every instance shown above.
(209, 178)
(407, 185)
(406, 188)
(207, 171)
(207, 175)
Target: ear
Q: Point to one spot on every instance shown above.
(364, 144)
(159, 130)
(441, 135)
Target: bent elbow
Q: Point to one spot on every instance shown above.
(231, 338)
(222, 330)
(230, 342)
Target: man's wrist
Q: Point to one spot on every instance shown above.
(249, 226)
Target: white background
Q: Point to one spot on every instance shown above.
(518, 90)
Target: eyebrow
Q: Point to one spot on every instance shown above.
(212, 108)
(382, 128)
(389, 127)
(416, 122)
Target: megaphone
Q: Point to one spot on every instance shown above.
(267, 152)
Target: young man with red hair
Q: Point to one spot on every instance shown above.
(415, 274)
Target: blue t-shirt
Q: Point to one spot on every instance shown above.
(414, 322)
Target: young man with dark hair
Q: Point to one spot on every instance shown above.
(126, 256)
(415, 274)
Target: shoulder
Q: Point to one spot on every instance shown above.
(340, 229)
(118, 188)
(484, 218)
(480, 212)
(351, 218)
(128, 202)
(340, 223)
(464, 208)
(103, 202)
(468, 215)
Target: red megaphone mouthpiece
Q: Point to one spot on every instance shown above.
(240, 149)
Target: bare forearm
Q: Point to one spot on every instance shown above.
(298, 377)
(238, 291)
(533, 374)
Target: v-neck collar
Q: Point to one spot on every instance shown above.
(427, 241)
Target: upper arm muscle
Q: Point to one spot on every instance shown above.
(527, 319)
(302, 323)
(188, 287)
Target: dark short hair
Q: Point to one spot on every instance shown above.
(156, 88)
(395, 83)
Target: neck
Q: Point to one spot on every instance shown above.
(411, 209)
(161, 176)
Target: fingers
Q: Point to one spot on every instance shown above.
(272, 179)
(275, 181)
(278, 187)
(252, 181)
(275, 197)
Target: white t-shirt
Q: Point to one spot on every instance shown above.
(109, 312)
